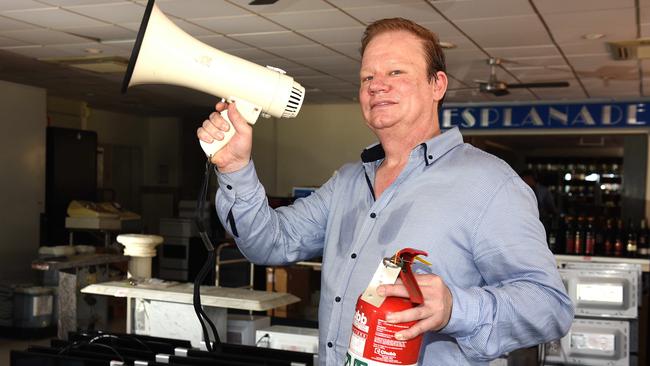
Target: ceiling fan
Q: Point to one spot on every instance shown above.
(500, 88)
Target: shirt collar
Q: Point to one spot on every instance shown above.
(432, 149)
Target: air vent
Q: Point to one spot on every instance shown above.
(630, 50)
(295, 101)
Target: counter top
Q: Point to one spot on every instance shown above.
(224, 297)
(645, 263)
(79, 260)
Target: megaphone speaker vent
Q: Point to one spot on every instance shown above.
(295, 101)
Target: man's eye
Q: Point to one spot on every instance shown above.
(395, 72)
(366, 78)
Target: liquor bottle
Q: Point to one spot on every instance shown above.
(552, 235)
(590, 237)
(599, 235)
(631, 246)
(579, 244)
(609, 237)
(642, 240)
(618, 240)
(569, 236)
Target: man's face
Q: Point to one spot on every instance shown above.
(395, 90)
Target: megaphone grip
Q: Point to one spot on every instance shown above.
(216, 145)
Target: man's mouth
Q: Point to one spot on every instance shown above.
(381, 104)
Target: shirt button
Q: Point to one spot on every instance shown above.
(229, 186)
(353, 255)
(430, 156)
(330, 345)
(373, 215)
(337, 299)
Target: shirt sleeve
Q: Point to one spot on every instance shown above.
(523, 301)
(268, 236)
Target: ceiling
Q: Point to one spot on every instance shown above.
(317, 43)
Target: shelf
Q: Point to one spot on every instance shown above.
(75, 261)
(645, 263)
(232, 298)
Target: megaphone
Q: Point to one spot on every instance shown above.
(165, 54)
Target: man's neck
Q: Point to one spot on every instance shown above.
(397, 144)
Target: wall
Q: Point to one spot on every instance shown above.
(316, 143)
(23, 178)
(162, 154)
(265, 137)
(136, 150)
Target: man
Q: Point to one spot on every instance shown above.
(492, 286)
(544, 197)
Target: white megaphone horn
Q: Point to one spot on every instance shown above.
(165, 54)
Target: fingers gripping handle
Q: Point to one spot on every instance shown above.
(247, 110)
(216, 145)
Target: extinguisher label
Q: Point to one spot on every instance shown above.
(355, 360)
(361, 321)
(373, 338)
(358, 341)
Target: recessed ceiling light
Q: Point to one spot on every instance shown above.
(447, 45)
(593, 36)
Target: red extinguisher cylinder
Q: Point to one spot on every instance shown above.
(373, 341)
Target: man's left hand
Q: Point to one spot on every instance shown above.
(432, 315)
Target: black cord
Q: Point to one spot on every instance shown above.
(71, 346)
(112, 337)
(208, 266)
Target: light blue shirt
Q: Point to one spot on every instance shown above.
(468, 209)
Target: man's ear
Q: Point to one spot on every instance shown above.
(440, 85)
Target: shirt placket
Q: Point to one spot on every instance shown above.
(364, 236)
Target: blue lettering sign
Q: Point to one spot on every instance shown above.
(586, 115)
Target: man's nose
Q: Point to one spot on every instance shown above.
(377, 85)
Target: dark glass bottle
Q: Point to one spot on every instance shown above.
(590, 237)
(579, 244)
(553, 234)
(642, 241)
(599, 235)
(609, 238)
(569, 236)
(631, 247)
(618, 239)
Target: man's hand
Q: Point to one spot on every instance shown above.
(432, 315)
(237, 152)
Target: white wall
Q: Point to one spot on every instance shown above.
(316, 143)
(265, 135)
(22, 182)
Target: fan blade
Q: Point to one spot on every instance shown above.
(458, 89)
(500, 93)
(550, 84)
(262, 2)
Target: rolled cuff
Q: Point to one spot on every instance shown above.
(464, 313)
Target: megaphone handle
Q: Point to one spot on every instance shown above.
(216, 145)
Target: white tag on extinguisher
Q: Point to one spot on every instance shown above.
(386, 274)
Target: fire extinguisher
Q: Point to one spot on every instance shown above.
(373, 340)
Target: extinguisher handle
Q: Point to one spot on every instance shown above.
(406, 274)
